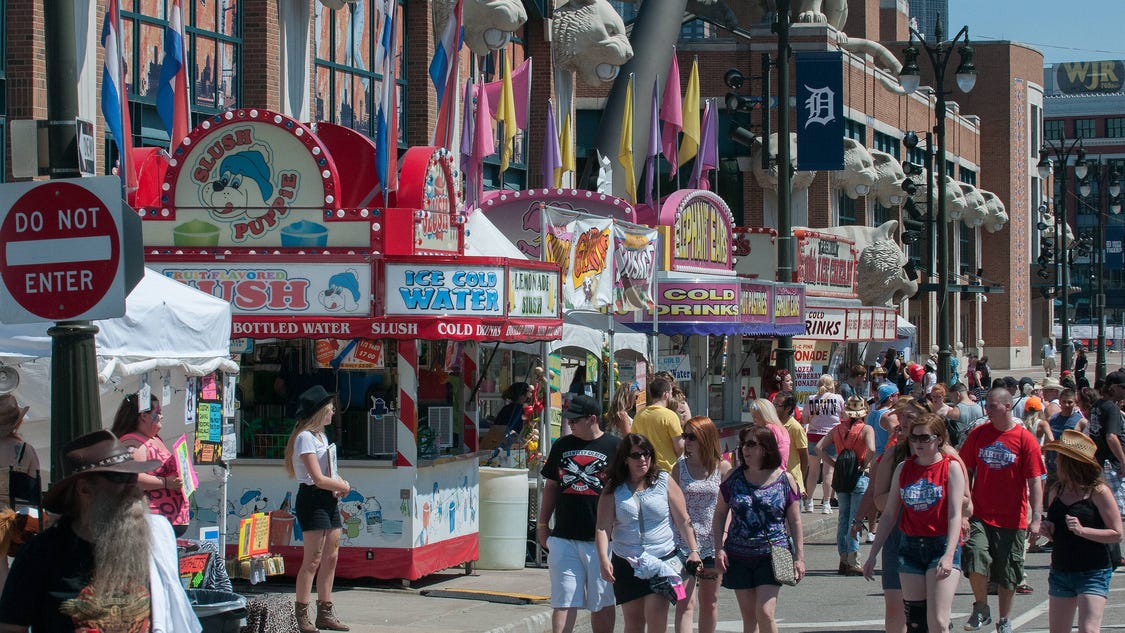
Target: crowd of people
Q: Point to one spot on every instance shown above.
(943, 480)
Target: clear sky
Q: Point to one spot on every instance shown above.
(1074, 30)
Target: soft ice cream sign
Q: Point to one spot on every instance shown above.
(252, 178)
(280, 288)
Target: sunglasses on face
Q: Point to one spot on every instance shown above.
(748, 444)
(921, 439)
(690, 436)
(119, 478)
(640, 455)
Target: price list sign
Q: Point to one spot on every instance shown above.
(208, 419)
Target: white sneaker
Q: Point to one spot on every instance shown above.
(827, 508)
(870, 537)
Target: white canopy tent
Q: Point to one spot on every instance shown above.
(169, 331)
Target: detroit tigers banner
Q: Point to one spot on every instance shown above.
(820, 111)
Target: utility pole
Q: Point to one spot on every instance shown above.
(786, 251)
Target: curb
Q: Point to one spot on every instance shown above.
(536, 623)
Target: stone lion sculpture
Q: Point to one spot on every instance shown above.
(888, 179)
(858, 176)
(975, 208)
(589, 40)
(767, 179)
(997, 215)
(488, 24)
(881, 279)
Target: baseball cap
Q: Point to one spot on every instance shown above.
(1115, 378)
(886, 391)
(582, 406)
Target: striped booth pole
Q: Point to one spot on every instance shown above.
(407, 443)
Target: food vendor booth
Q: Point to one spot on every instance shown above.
(839, 328)
(334, 282)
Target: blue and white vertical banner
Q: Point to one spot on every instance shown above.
(1113, 242)
(820, 111)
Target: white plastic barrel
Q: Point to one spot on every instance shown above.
(503, 518)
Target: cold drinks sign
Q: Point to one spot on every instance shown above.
(61, 250)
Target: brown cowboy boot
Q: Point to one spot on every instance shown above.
(304, 623)
(326, 618)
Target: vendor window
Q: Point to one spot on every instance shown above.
(274, 374)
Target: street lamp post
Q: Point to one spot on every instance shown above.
(1062, 152)
(939, 54)
(1109, 184)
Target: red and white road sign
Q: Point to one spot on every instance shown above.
(61, 250)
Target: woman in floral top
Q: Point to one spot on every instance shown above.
(761, 500)
(698, 473)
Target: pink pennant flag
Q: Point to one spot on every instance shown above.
(671, 113)
(521, 89)
(483, 143)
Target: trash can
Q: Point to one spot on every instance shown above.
(218, 611)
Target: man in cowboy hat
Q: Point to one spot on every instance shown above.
(106, 563)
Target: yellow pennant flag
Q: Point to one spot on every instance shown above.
(690, 143)
(506, 114)
(625, 146)
(566, 147)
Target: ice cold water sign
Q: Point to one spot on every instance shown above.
(60, 250)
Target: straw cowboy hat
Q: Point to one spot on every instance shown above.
(97, 452)
(1050, 382)
(1075, 445)
(312, 400)
(11, 414)
(856, 407)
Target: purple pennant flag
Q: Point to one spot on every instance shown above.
(708, 158)
(467, 130)
(552, 155)
(653, 148)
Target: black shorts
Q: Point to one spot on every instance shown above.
(317, 509)
(626, 586)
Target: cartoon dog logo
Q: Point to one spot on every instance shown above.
(342, 293)
(241, 186)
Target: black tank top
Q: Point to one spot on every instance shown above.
(1071, 552)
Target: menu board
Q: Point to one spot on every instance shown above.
(208, 409)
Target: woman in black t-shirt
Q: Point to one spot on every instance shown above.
(1084, 522)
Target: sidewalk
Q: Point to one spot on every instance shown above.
(512, 601)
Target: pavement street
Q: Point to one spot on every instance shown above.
(824, 602)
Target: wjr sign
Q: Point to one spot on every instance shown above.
(820, 111)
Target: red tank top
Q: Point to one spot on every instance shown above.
(925, 497)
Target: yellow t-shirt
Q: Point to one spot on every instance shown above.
(660, 425)
(797, 440)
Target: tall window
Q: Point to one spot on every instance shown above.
(348, 85)
(967, 242)
(847, 210)
(214, 52)
(1053, 129)
(886, 143)
(1085, 128)
(855, 130)
(1115, 127)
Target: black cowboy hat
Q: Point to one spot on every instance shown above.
(312, 400)
(97, 452)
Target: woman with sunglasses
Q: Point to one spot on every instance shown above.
(698, 473)
(765, 415)
(163, 486)
(762, 501)
(636, 511)
(925, 505)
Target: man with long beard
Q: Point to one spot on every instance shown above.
(105, 564)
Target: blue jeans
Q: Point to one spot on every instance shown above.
(849, 503)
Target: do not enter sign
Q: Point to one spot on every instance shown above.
(61, 251)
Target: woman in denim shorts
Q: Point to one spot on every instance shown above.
(1083, 521)
(925, 504)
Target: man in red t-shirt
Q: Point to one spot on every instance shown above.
(1006, 468)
